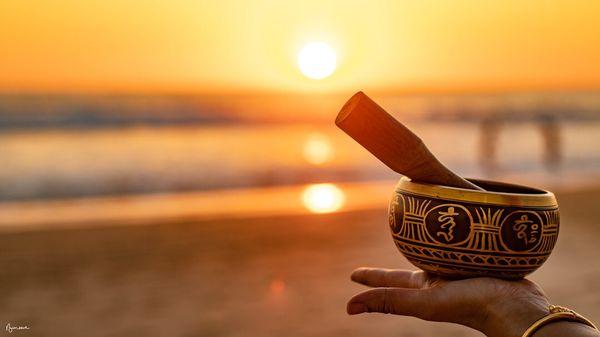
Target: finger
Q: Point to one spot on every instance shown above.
(380, 277)
(421, 303)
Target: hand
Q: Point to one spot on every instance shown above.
(493, 306)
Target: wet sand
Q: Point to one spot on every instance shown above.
(275, 276)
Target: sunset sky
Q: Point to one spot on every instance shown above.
(249, 46)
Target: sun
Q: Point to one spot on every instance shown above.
(317, 60)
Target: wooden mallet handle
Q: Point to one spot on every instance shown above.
(394, 144)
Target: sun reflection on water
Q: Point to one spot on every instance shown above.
(317, 149)
(323, 198)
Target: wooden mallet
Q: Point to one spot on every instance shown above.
(394, 144)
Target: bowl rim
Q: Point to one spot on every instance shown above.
(542, 199)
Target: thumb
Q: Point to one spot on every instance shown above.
(421, 303)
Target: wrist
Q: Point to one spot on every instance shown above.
(512, 319)
(566, 328)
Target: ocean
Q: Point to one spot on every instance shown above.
(71, 146)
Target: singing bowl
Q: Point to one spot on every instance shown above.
(506, 231)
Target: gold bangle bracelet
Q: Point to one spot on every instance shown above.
(557, 313)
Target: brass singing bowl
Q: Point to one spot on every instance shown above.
(506, 231)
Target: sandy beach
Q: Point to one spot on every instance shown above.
(264, 276)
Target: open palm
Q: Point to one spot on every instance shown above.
(493, 306)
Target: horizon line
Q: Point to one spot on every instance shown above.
(377, 91)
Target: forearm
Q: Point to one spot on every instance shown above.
(567, 329)
(516, 325)
(504, 322)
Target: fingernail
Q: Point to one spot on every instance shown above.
(356, 308)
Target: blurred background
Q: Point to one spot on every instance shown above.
(171, 168)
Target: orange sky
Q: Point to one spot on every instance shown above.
(233, 46)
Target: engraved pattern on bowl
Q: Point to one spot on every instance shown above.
(507, 232)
